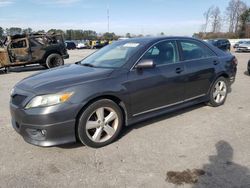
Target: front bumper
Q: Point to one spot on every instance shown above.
(242, 50)
(45, 126)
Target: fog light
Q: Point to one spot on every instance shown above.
(37, 134)
(32, 132)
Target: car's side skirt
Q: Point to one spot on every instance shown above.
(169, 105)
(166, 109)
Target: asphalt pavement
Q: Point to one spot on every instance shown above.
(215, 141)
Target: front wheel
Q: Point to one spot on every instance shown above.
(218, 92)
(54, 60)
(100, 124)
(7, 70)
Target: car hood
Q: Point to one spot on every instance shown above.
(244, 45)
(62, 77)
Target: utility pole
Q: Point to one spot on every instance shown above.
(108, 16)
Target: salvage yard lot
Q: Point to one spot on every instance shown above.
(215, 140)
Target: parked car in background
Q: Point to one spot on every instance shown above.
(46, 49)
(99, 44)
(222, 44)
(70, 45)
(236, 45)
(119, 85)
(82, 45)
(244, 47)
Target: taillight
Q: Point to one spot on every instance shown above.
(235, 61)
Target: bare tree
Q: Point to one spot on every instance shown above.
(215, 19)
(234, 11)
(207, 16)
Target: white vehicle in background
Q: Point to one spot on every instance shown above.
(243, 47)
(81, 45)
(236, 45)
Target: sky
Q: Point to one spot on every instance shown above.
(173, 17)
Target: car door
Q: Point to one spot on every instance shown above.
(160, 86)
(36, 47)
(19, 50)
(200, 64)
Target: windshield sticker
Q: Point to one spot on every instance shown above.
(131, 45)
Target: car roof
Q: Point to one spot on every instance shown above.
(145, 40)
(151, 40)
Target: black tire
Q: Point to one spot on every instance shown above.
(213, 100)
(85, 136)
(7, 70)
(248, 67)
(54, 60)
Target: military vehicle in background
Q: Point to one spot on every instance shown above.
(46, 49)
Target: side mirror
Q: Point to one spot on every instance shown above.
(145, 64)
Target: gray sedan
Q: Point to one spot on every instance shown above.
(119, 85)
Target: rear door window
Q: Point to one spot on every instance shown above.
(195, 50)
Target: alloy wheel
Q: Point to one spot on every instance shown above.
(102, 124)
(220, 91)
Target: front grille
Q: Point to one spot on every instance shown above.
(18, 99)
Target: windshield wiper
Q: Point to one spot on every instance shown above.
(88, 65)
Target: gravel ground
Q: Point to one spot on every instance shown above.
(213, 140)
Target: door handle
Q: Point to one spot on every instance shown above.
(216, 62)
(179, 70)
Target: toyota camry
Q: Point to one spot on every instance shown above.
(121, 84)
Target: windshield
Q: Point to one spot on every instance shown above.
(112, 56)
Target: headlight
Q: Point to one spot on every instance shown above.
(48, 100)
(12, 91)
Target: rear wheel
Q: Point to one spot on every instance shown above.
(100, 123)
(248, 67)
(54, 60)
(218, 92)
